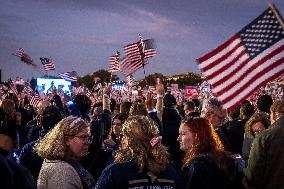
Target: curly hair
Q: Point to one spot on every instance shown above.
(139, 130)
(138, 108)
(261, 117)
(206, 141)
(53, 145)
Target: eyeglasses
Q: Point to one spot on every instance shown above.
(257, 131)
(86, 138)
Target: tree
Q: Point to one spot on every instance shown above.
(151, 79)
(104, 75)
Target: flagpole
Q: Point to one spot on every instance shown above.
(110, 77)
(276, 13)
(142, 58)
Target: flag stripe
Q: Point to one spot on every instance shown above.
(235, 73)
(242, 84)
(233, 51)
(250, 68)
(231, 42)
(273, 74)
(229, 70)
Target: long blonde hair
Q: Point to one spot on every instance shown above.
(139, 131)
(53, 145)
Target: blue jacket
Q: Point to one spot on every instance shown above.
(125, 175)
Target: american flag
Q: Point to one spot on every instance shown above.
(247, 61)
(71, 76)
(35, 100)
(114, 63)
(47, 64)
(20, 52)
(130, 80)
(128, 67)
(149, 48)
(136, 54)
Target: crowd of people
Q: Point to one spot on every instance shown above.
(151, 140)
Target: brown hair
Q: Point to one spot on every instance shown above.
(261, 117)
(138, 108)
(139, 131)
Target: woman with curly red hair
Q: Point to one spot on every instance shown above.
(205, 164)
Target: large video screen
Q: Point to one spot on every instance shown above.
(117, 86)
(45, 85)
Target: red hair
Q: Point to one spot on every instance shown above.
(206, 139)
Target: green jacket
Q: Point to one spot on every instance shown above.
(266, 160)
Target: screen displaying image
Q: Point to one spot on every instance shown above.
(45, 85)
(117, 86)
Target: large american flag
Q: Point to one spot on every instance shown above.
(114, 63)
(247, 61)
(70, 76)
(47, 64)
(136, 54)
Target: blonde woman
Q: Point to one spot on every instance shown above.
(143, 160)
(61, 149)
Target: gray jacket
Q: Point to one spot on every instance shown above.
(58, 174)
(266, 166)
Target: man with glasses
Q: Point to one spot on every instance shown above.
(266, 166)
(213, 111)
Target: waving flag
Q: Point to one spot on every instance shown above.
(128, 67)
(19, 53)
(47, 64)
(71, 76)
(114, 63)
(25, 57)
(247, 61)
(149, 48)
(35, 100)
(130, 80)
(136, 54)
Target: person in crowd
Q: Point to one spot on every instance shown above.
(171, 121)
(57, 102)
(28, 157)
(10, 127)
(235, 128)
(140, 108)
(14, 176)
(246, 111)
(100, 128)
(125, 107)
(116, 109)
(205, 164)
(115, 135)
(213, 111)
(189, 110)
(61, 148)
(109, 146)
(142, 161)
(82, 107)
(266, 166)
(264, 103)
(33, 128)
(255, 125)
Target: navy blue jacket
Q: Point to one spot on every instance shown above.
(125, 175)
